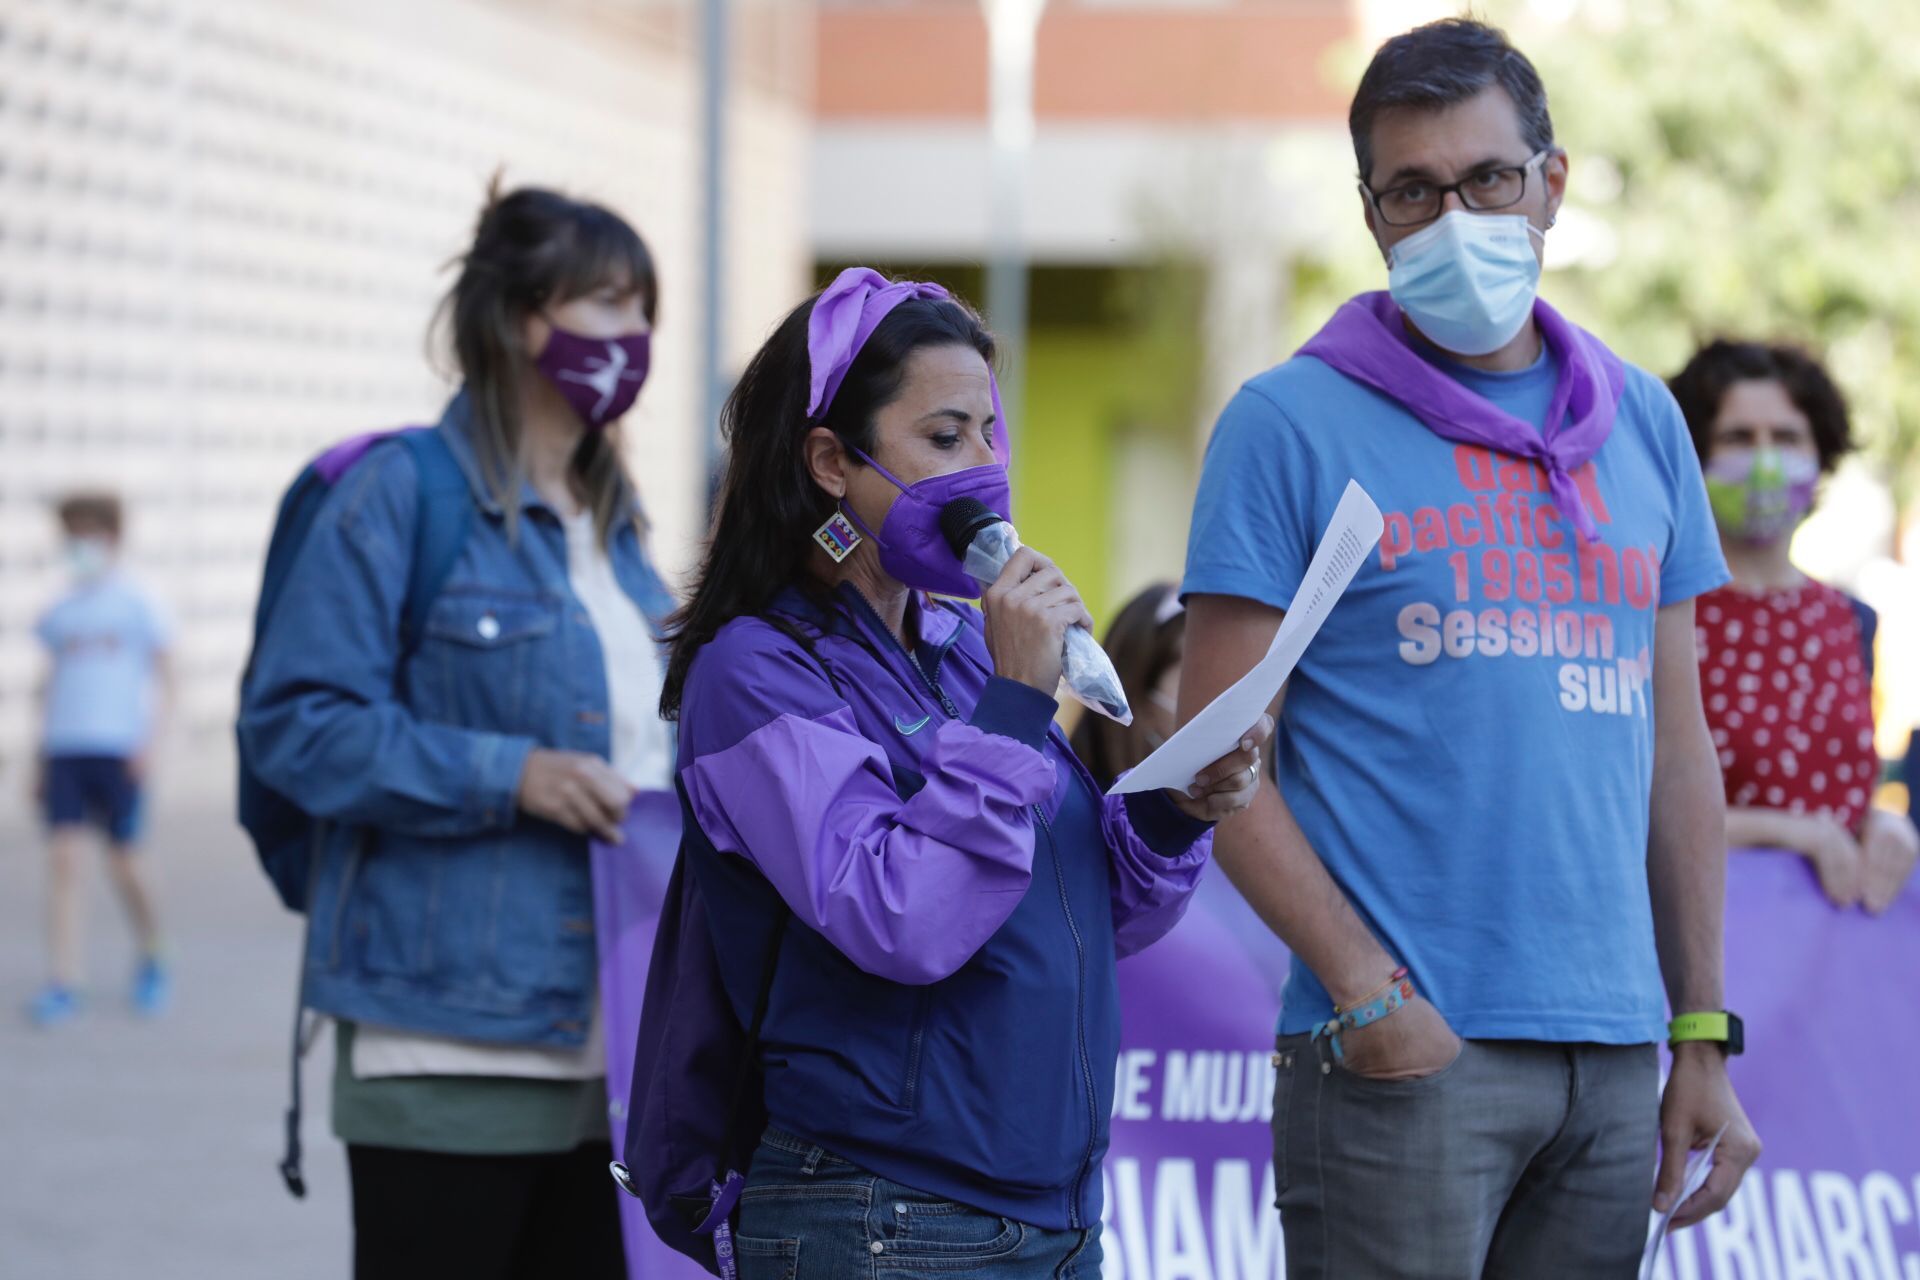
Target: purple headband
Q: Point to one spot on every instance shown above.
(845, 316)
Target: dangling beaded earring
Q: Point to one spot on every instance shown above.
(837, 537)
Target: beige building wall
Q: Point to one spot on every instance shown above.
(223, 228)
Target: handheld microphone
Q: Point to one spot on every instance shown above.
(985, 542)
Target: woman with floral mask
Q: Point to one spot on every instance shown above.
(461, 771)
(1786, 663)
(884, 819)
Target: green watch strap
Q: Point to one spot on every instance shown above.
(1699, 1026)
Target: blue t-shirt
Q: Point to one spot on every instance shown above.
(1468, 744)
(104, 637)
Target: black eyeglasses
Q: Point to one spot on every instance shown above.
(1483, 190)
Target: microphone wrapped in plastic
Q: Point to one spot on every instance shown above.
(985, 542)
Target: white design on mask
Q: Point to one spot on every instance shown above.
(605, 377)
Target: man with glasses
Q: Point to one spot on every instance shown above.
(1497, 830)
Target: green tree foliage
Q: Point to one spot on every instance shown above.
(1740, 167)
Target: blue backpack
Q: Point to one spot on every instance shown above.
(283, 834)
(697, 1104)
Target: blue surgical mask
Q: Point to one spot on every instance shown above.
(1468, 281)
(88, 558)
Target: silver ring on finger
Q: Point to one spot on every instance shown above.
(1253, 774)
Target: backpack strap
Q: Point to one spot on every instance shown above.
(743, 1074)
(305, 1031)
(1869, 621)
(443, 511)
(711, 1213)
(442, 515)
(718, 1211)
(304, 1034)
(807, 636)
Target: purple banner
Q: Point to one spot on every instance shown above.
(1189, 1176)
(1833, 1037)
(1833, 1043)
(629, 885)
(1833, 1033)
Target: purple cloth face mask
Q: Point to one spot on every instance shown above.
(912, 547)
(599, 377)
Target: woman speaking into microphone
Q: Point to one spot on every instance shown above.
(878, 792)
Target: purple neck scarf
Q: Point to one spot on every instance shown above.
(845, 316)
(1367, 341)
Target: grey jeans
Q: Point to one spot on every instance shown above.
(1519, 1161)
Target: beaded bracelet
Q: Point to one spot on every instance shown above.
(1396, 993)
(1374, 994)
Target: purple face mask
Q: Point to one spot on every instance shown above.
(600, 377)
(912, 547)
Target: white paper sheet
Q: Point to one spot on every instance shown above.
(1699, 1165)
(1350, 538)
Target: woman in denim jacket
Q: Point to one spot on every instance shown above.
(461, 776)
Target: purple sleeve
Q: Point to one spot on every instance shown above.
(1158, 855)
(777, 771)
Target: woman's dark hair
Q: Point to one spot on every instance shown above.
(1143, 642)
(768, 504)
(1440, 65)
(533, 248)
(1702, 385)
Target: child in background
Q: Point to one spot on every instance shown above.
(101, 706)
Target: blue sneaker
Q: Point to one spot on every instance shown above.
(152, 988)
(54, 1005)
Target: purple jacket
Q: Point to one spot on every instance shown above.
(945, 1011)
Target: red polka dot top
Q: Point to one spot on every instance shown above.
(1786, 686)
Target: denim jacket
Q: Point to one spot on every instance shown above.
(437, 906)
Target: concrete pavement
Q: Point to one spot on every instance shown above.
(148, 1149)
